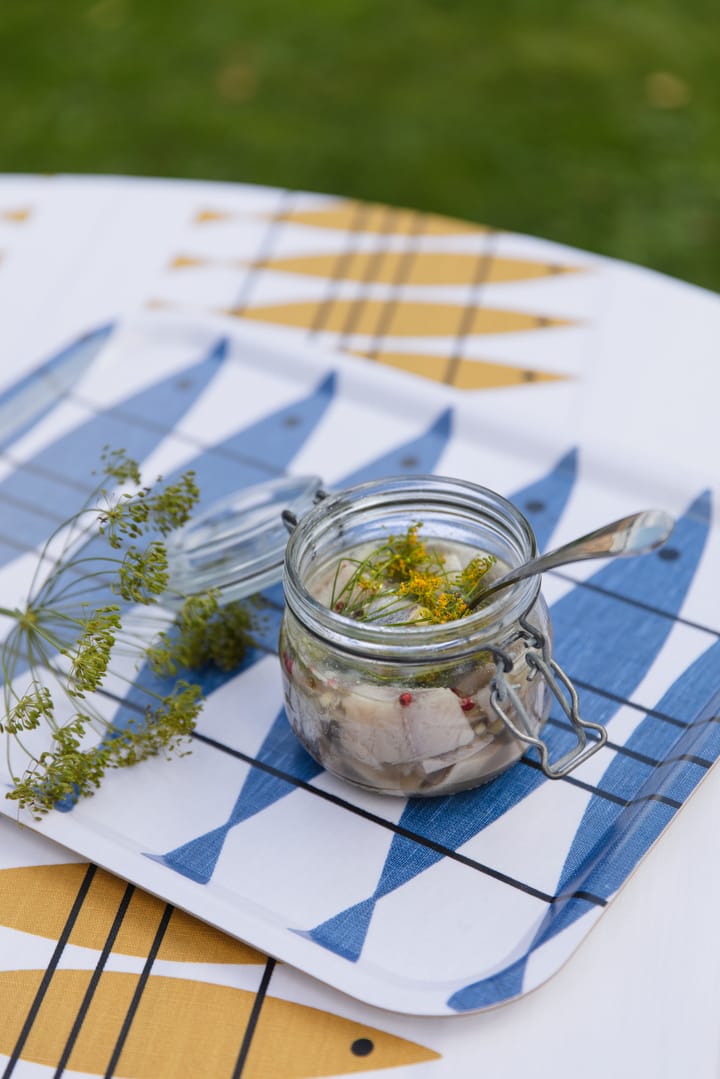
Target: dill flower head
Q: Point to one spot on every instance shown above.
(405, 576)
(80, 628)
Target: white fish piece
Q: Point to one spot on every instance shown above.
(393, 727)
(496, 759)
(457, 756)
(437, 723)
(374, 727)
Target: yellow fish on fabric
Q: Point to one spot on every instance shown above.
(16, 216)
(38, 899)
(462, 372)
(395, 267)
(407, 319)
(185, 1029)
(358, 217)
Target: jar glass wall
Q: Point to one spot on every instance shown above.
(412, 709)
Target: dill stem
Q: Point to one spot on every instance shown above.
(69, 525)
(46, 592)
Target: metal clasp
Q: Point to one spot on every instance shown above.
(540, 661)
(290, 519)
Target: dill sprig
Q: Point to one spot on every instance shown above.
(79, 629)
(405, 575)
(204, 632)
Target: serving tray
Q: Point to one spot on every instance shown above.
(433, 906)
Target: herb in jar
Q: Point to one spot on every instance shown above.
(388, 684)
(418, 731)
(406, 580)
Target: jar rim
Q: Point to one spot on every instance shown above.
(420, 643)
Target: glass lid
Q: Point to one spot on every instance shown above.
(238, 545)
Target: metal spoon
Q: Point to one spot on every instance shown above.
(632, 535)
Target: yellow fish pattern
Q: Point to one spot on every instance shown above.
(423, 268)
(16, 216)
(289, 1041)
(165, 1026)
(407, 318)
(38, 899)
(441, 320)
(462, 372)
(362, 217)
(397, 260)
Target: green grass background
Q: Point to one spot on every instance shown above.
(594, 122)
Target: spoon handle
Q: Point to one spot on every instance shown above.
(637, 534)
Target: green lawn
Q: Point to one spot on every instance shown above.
(595, 123)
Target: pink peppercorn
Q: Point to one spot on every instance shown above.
(405, 699)
(467, 704)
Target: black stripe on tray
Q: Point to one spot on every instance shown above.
(95, 979)
(482, 270)
(617, 698)
(374, 818)
(617, 747)
(621, 598)
(607, 795)
(340, 268)
(19, 545)
(400, 278)
(525, 760)
(253, 1020)
(431, 844)
(31, 507)
(139, 990)
(61, 479)
(42, 470)
(599, 691)
(374, 262)
(181, 436)
(50, 970)
(272, 471)
(643, 758)
(267, 242)
(635, 603)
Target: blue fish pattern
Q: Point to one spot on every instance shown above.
(232, 463)
(453, 820)
(263, 449)
(197, 858)
(635, 603)
(589, 622)
(543, 501)
(37, 494)
(32, 397)
(419, 456)
(676, 743)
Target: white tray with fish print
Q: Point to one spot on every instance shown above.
(426, 906)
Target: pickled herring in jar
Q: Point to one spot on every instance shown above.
(390, 681)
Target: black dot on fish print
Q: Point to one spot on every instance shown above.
(362, 1047)
(534, 506)
(291, 421)
(183, 383)
(528, 376)
(409, 462)
(668, 554)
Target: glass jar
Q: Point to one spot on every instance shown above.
(421, 709)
